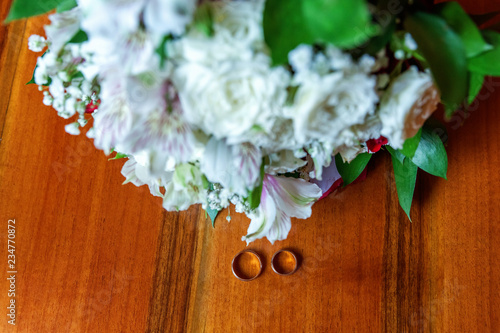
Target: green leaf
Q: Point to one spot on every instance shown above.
(27, 8)
(463, 25)
(162, 50)
(377, 43)
(79, 37)
(254, 197)
(396, 154)
(285, 28)
(203, 19)
(491, 37)
(32, 81)
(411, 144)
(343, 23)
(213, 215)
(118, 156)
(431, 154)
(66, 5)
(287, 24)
(438, 128)
(405, 175)
(351, 171)
(445, 53)
(475, 84)
(488, 63)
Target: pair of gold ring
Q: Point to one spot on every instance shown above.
(247, 265)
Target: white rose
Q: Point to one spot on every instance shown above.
(325, 106)
(237, 35)
(409, 101)
(228, 99)
(301, 58)
(240, 22)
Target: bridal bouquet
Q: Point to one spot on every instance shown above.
(268, 105)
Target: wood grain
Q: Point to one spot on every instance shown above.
(96, 256)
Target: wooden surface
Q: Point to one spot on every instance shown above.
(95, 256)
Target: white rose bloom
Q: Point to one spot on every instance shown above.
(240, 23)
(324, 106)
(410, 97)
(301, 57)
(237, 35)
(227, 100)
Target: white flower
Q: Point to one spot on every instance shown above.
(409, 101)
(62, 28)
(36, 43)
(327, 105)
(227, 100)
(349, 152)
(91, 133)
(339, 61)
(236, 168)
(136, 171)
(108, 17)
(185, 189)
(73, 128)
(410, 42)
(281, 199)
(158, 124)
(321, 154)
(301, 57)
(164, 132)
(41, 76)
(237, 35)
(150, 90)
(285, 161)
(275, 133)
(164, 17)
(239, 23)
(113, 121)
(131, 51)
(47, 99)
(117, 40)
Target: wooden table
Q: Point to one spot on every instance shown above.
(95, 256)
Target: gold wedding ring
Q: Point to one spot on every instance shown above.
(246, 265)
(284, 262)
